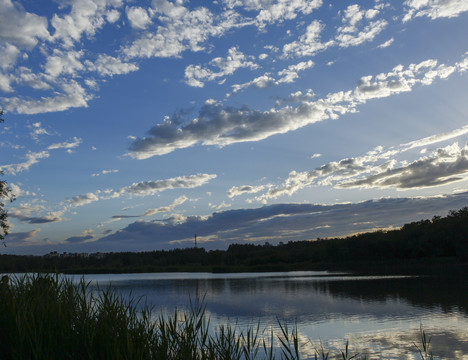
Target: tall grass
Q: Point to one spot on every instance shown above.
(49, 317)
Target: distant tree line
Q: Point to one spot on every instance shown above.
(441, 239)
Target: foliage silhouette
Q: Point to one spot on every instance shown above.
(426, 243)
(5, 195)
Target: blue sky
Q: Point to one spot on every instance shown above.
(133, 125)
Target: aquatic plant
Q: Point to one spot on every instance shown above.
(45, 316)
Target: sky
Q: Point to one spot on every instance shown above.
(133, 125)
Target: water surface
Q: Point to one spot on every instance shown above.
(379, 315)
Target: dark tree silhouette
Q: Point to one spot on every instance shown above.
(5, 195)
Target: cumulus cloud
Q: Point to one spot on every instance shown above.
(290, 74)
(309, 43)
(379, 168)
(275, 11)
(9, 55)
(145, 188)
(287, 75)
(34, 157)
(358, 26)
(107, 65)
(181, 29)
(350, 34)
(224, 125)
(78, 239)
(434, 8)
(85, 17)
(5, 83)
(266, 80)
(163, 209)
(31, 159)
(282, 222)
(66, 145)
(244, 189)
(105, 172)
(22, 238)
(18, 192)
(85, 235)
(37, 130)
(81, 200)
(47, 219)
(445, 165)
(196, 75)
(25, 76)
(31, 213)
(38, 214)
(138, 17)
(433, 139)
(64, 63)
(73, 95)
(20, 27)
(113, 15)
(386, 43)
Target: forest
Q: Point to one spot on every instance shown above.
(440, 240)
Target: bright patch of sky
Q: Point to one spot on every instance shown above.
(133, 125)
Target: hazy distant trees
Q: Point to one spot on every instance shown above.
(5, 195)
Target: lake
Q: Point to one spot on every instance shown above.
(379, 315)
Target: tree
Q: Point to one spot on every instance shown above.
(5, 195)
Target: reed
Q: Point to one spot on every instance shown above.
(45, 316)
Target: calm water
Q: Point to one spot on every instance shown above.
(378, 315)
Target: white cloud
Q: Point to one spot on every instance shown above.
(19, 27)
(219, 125)
(9, 55)
(107, 65)
(73, 95)
(66, 145)
(18, 192)
(25, 76)
(379, 168)
(434, 8)
(113, 15)
(244, 189)
(358, 26)
(445, 165)
(105, 172)
(138, 17)
(386, 43)
(290, 74)
(260, 82)
(61, 62)
(81, 200)
(45, 219)
(5, 83)
(179, 201)
(181, 29)
(223, 205)
(195, 75)
(146, 188)
(31, 159)
(37, 130)
(276, 11)
(349, 34)
(85, 17)
(309, 43)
